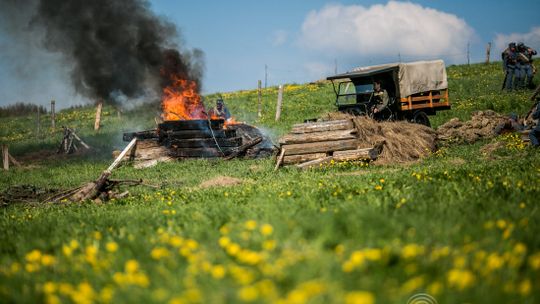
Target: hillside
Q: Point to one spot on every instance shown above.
(461, 225)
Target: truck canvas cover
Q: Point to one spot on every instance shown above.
(413, 77)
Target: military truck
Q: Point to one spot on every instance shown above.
(415, 90)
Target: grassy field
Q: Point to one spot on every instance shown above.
(460, 225)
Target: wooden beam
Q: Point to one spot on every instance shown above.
(298, 138)
(333, 125)
(300, 158)
(315, 163)
(279, 159)
(259, 99)
(279, 102)
(317, 147)
(206, 142)
(358, 154)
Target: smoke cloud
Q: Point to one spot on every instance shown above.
(112, 49)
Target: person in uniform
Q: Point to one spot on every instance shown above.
(509, 58)
(379, 98)
(525, 65)
(220, 110)
(534, 135)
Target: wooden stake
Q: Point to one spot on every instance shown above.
(14, 161)
(5, 156)
(98, 115)
(121, 156)
(279, 102)
(53, 114)
(259, 99)
(38, 123)
(488, 52)
(280, 159)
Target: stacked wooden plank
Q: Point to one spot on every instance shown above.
(314, 143)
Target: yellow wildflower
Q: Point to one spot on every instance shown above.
(460, 278)
(218, 272)
(131, 266)
(359, 297)
(159, 252)
(267, 229)
(250, 225)
(248, 293)
(111, 247)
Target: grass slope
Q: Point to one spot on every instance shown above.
(459, 226)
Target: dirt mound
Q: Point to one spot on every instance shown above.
(404, 141)
(483, 124)
(220, 181)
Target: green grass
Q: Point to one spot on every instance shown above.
(457, 225)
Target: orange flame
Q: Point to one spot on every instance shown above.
(180, 101)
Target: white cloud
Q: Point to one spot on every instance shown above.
(279, 37)
(385, 30)
(532, 39)
(318, 70)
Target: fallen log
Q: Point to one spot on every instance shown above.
(315, 163)
(332, 125)
(300, 158)
(318, 147)
(358, 154)
(299, 138)
(242, 149)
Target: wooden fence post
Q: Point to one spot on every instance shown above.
(488, 52)
(279, 102)
(5, 156)
(259, 99)
(38, 133)
(98, 115)
(53, 114)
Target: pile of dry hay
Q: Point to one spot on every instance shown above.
(404, 141)
(483, 124)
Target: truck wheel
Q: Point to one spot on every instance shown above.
(421, 117)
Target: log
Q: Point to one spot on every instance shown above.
(79, 139)
(358, 154)
(299, 138)
(301, 158)
(332, 125)
(318, 147)
(195, 124)
(14, 161)
(243, 148)
(315, 163)
(205, 142)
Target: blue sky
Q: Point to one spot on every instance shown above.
(240, 37)
(300, 41)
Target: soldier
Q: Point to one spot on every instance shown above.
(220, 110)
(509, 58)
(534, 135)
(379, 98)
(525, 65)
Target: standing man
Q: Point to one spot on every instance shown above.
(380, 97)
(220, 110)
(525, 65)
(509, 58)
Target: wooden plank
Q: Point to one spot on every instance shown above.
(280, 159)
(323, 126)
(298, 138)
(259, 99)
(295, 159)
(206, 142)
(358, 154)
(315, 163)
(323, 146)
(195, 124)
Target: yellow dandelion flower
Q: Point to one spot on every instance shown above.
(111, 247)
(218, 271)
(248, 293)
(267, 229)
(131, 266)
(250, 225)
(359, 297)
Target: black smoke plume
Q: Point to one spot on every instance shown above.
(113, 47)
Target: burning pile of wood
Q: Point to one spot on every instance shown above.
(197, 138)
(315, 143)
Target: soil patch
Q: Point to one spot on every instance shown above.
(483, 124)
(221, 181)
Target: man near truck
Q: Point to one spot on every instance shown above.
(379, 98)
